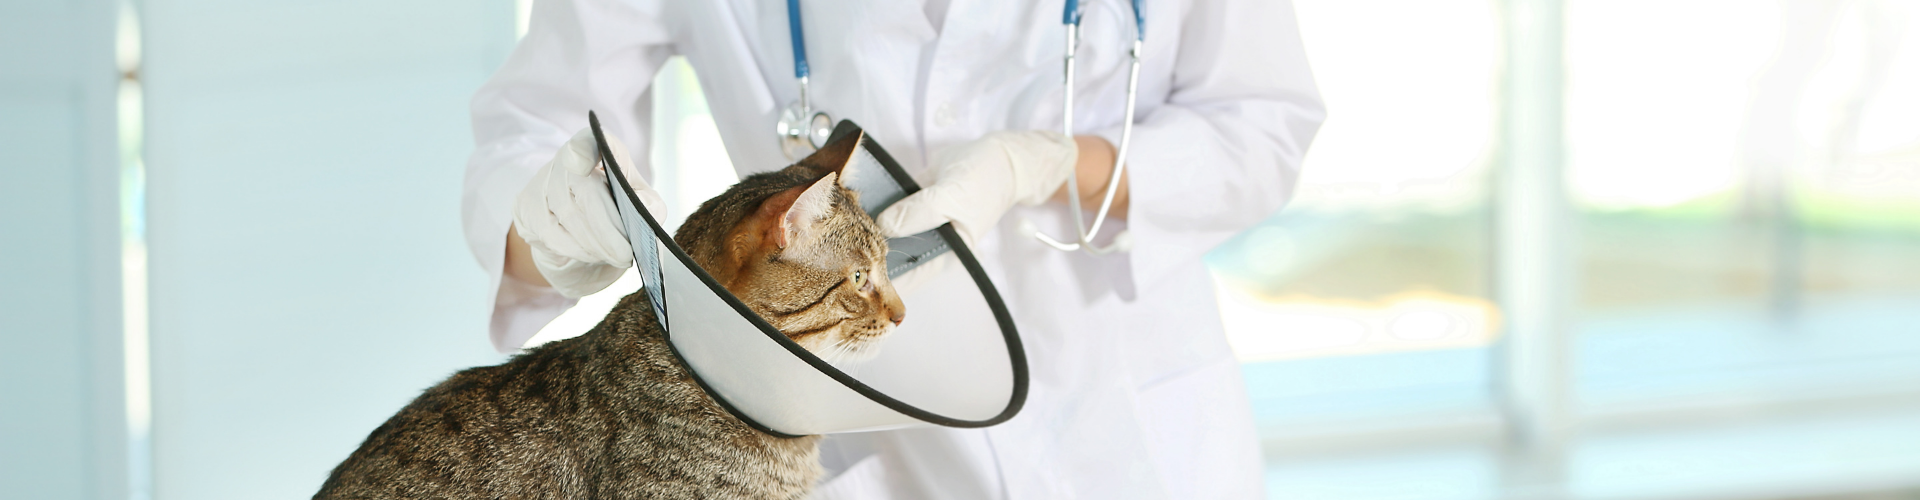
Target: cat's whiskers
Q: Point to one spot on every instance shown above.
(845, 343)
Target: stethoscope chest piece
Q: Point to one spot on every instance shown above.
(802, 131)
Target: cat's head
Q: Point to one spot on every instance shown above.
(795, 246)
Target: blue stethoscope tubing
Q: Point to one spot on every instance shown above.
(802, 130)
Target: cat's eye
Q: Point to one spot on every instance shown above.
(859, 278)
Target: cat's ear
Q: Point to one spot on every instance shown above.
(836, 155)
(801, 218)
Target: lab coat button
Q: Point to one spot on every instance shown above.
(943, 117)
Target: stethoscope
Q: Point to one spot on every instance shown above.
(802, 129)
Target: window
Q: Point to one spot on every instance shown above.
(1747, 179)
(1719, 259)
(1366, 301)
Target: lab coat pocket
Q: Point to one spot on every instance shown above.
(1201, 433)
(865, 480)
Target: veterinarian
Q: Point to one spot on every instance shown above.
(1134, 392)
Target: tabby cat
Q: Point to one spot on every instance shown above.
(612, 413)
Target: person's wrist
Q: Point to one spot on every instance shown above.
(519, 261)
(1092, 168)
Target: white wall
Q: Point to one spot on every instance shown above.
(308, 271)
(61, 419)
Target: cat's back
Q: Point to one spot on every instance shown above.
(609, 414)
(484, 431)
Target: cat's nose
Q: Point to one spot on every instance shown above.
(896, 310)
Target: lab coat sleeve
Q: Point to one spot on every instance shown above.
(577, 55)
(1223, 151)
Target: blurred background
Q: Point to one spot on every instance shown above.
(1541, 249)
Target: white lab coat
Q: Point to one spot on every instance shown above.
(1134, 393)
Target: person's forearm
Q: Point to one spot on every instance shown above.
(519, 263)
(1094, 168)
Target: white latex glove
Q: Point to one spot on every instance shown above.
(976, 182)
(568, 218)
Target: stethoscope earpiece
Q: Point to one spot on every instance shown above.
(1122, 241)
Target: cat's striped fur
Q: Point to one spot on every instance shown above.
(611, 414)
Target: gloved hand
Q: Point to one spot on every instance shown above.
(977, 182)
(569, 221)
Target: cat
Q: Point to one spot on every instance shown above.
(613, 413)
